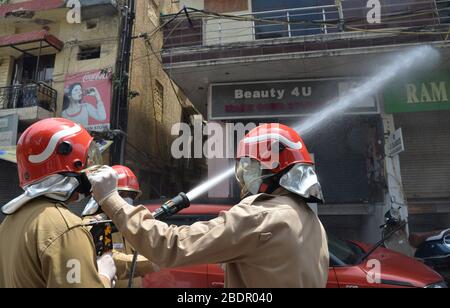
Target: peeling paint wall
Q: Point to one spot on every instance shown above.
(106, 35)
(153, 113)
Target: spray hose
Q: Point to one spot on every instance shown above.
(167, 210)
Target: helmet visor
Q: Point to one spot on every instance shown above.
(94, 156)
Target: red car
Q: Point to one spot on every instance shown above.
(346, 268)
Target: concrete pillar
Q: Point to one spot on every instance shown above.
(6, 70)
(396, 199)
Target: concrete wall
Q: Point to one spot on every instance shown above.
(150, 123)
(223, 31)
(226, 31)
(75, 35)
(197, 4)
(6, 68)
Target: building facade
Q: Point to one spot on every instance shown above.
(65, 59)
(284, 61)
(158, 104)
(53, 60)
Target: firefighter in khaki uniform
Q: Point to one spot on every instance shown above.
(271, 239)
(42, 244)
(129, 190)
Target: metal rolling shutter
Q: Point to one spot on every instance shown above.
(425, 164)
(340, 150)
(9, 183)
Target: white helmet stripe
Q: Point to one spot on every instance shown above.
(278, 137)
(37, 159)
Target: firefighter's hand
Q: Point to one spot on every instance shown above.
(104, 183)
(106, 267)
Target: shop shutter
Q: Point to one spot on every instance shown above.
(341, 151)
(425, 164)
(9, 183)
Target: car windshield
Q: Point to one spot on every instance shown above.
(343, 253)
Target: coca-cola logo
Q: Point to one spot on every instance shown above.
(101, 75)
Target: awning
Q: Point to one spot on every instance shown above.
(9, 153)
(31, 42)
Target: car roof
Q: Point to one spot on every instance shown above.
(196, 209)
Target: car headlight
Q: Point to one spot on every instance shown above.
(439, 285)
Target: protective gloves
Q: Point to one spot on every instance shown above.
(104, 183)
(107, 267)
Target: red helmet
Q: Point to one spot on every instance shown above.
(53, 146)
(260, 145)
(127, 180)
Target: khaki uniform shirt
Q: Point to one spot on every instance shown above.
(44, 245)
(123, 258)
(266, 241)
(123, 255)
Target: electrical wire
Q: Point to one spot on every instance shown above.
(234, 17)
(280, 22)
(303, 22)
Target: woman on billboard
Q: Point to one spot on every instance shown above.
(76, 109)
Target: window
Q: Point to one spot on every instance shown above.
(394, 13)
(343, 252)
(91, 24)
(26, 70)
(158, 101)
(444, 11)
(89, 52)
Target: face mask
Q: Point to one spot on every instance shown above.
(249, 176)
(130, 201)
(252, 180)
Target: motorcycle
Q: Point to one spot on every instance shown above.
(431, 248)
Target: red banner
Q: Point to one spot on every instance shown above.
(87, 99)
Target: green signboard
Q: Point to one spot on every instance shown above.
(427, 93)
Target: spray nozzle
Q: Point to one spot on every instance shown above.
(173, 206)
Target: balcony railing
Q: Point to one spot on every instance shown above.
(29, 95)
(399, 17)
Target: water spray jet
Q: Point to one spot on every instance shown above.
(412, 58)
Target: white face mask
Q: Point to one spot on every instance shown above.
(253, 179)
(130, 201)
(92, 207)
(249, 176)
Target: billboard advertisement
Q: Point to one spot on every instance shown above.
(87, 99)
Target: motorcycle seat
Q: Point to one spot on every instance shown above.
(417, 239)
